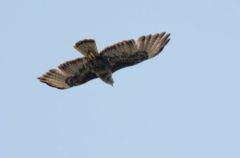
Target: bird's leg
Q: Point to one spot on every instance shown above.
(91, 56)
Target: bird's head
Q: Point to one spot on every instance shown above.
(107, 78)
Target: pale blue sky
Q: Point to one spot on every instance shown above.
(182, 104)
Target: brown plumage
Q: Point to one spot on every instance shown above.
(103, 64)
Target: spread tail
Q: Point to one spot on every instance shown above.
(86, 47)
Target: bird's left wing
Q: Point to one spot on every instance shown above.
(68, 74)
(128, 53)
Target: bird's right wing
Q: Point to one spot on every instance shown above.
(68, 74)
(128, 53)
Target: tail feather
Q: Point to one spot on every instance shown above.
(86, 46)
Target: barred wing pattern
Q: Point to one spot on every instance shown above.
(68, 74)
(128, 53)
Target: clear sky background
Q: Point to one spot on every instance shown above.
(184, 103)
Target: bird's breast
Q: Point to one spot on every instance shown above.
(99, 65)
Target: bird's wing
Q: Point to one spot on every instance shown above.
(86, 46)
(68, 74)
(128, 53)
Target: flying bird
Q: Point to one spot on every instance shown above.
(103, 64)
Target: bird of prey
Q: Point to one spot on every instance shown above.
(103, 64)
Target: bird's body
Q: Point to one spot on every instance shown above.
(101, 67)
(103, 64)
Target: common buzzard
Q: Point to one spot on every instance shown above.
(103, 64)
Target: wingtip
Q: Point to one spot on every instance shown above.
(40, 78)
(168, 35)
(52, 82)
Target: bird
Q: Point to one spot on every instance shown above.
(103, 64)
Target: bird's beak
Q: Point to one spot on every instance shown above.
(111, 84)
